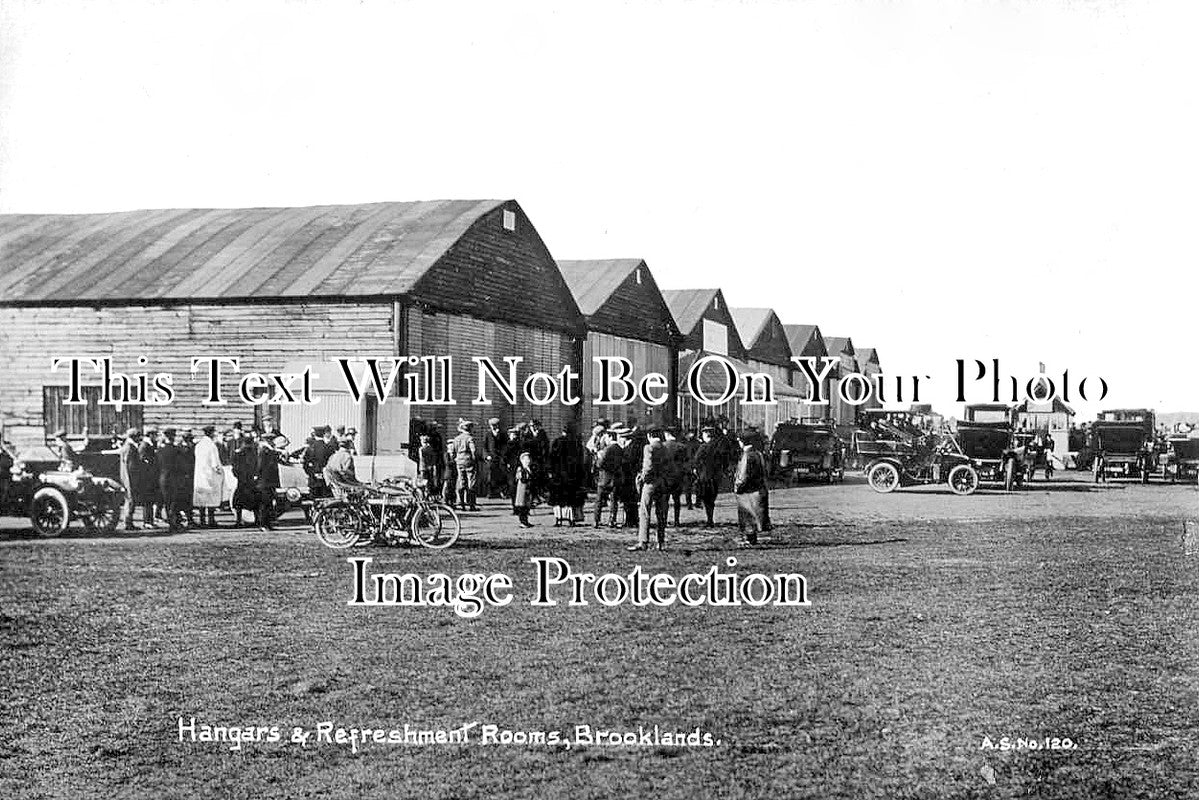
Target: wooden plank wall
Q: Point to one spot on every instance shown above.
(464, 337)
(265, 337)
(646, 357)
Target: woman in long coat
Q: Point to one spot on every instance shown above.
(244, 460)
(567, 466)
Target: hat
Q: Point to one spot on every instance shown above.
(341, 430)
(603, 422)
(209, 430)
(493, 421)
(133, 432)
(351, 431)
(169, 433)
(618, 430)
(318, 429)
(237, 425)
(464, 424)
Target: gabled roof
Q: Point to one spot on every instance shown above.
(620, 297)
(750, 323)
(688, 305)
(763, 335)
(839, 344)
(593, 282)
(803, 338)
(691, 306)
(192, 254)
(1058, 405)
(867, 355)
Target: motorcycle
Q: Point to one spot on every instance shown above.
(394, 512)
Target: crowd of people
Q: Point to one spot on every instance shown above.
(636, 474)
(179, 477)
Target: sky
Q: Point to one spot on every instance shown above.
(1010, 180)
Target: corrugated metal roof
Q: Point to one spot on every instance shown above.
(593, 282)
(688, 306)
(750, 322)
(190, 254)
(798, 336)
(839, 344)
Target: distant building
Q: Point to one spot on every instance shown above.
(1053, 416)
(768, 352)
(807, 341)
(707, 328)
(843, 414)
(627, 317)
(276, 287)
(868, 365)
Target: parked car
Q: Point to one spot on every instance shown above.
(52, 498)
(1124, 437)
(934, 458)
(806, 450)
(994, 450)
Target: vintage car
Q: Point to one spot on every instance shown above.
(805, 450)
(995, 450)
(881, 434)
(1124, 439)
(52, 497)
(1180, 462)
(933, 458)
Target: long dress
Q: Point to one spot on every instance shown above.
(208, 483)
(568, 478)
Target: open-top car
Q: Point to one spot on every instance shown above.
(1181, 461)
(933, 458)
(993, 448)
(806, 450)
(53, 497)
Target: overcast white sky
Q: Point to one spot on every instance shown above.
(937, 180)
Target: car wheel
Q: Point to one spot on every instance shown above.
(104, 521)
(883, 477)
(49, 512)
(963, 479)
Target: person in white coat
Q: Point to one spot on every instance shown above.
(208, 485)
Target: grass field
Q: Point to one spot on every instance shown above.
(926, 635)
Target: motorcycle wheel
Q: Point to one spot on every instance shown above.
(49, 512)
(963, 479)
(436, 526)
(338, 526)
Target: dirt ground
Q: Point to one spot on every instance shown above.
(944, 634)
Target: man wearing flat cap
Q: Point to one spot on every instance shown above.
(465, 456)
(67, 459)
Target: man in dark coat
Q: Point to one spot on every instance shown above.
(171, 476)
(676, 457)
(316, 455)
(268, 480)
(608, 465)
(749, 485)
(244, 458)
(148, 476)
(187, 454)
(495, 457)
(706, 466)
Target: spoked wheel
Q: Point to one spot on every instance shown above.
(338, 526)
(104, 521)
(963, 479)
(436, 526)
(883, 477)
(49, 512)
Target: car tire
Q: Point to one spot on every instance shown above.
(963, 479)
(49, 512)
(883, 477)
